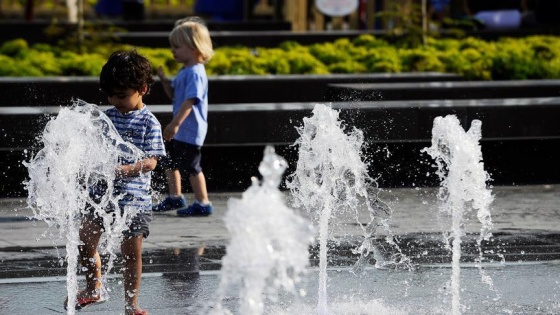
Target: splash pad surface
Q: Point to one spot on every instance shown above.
(525, 229)
(526, 288)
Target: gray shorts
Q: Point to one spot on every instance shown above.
(139, 226)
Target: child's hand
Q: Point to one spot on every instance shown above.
(170, 131)
(123, 170)
(118, 171)
(161, 74)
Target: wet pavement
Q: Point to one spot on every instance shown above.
(527, 289)
(525, 228)
(526, 231)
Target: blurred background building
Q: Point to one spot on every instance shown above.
(300, 15)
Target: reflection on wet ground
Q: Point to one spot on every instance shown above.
(422, 249)
(519, 288)
(524, 218)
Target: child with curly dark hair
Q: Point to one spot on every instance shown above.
(125, 79)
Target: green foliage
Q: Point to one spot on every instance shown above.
(220, 63)
(554, 69)
(369, 41)
(46, 48)
(446, 44)
(470, 63)
(289, 45)
(516, 60)
(160, 57)
(45, 62)
(240, 59)
(18, 68)
(534, 57)
(14, 48)
(328, 53)
(421, 60)
(73, 64)
(273, 61)
(383, 59)
(259, 61)
(347, 66)
(305, 64)
(475, 43)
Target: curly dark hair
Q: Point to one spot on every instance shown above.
(125, 70)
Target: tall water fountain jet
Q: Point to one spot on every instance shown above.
(463, 187)
(268, 250)
(80, 150)
(332, 179)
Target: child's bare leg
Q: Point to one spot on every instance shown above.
(173, 182)
(198, 184)
(90, 233)
(131, 250)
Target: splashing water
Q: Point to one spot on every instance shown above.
(463, 187)
(268, 250)
(80, 150)
(332, 179)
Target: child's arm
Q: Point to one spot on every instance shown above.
(143, 166)
(173, 127)
(165, 82)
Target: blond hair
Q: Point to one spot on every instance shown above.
(192, 32)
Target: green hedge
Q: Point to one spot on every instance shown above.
(534, 57)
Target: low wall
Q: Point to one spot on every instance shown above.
(520, 134)
(223, 89)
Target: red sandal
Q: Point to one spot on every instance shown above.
(83, 302)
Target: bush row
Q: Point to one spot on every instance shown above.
(534, 57)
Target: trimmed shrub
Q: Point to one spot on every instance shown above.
(161, 58)
(305, 64)
(515, 60)
(534, 57)
(369, 41)
(14, 48)
(45, 62)
(73, 64)
(347, 66)
(328, 53)
(220, 63)
(12, 68)
(421, 60)
(383, 59)
(273, 61)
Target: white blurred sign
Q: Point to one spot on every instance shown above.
(336, 7)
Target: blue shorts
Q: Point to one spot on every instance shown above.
(184, 157)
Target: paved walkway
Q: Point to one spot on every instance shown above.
(22, 238)
(532, 210)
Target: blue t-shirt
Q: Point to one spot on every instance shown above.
(142, 129)
(192, 83)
